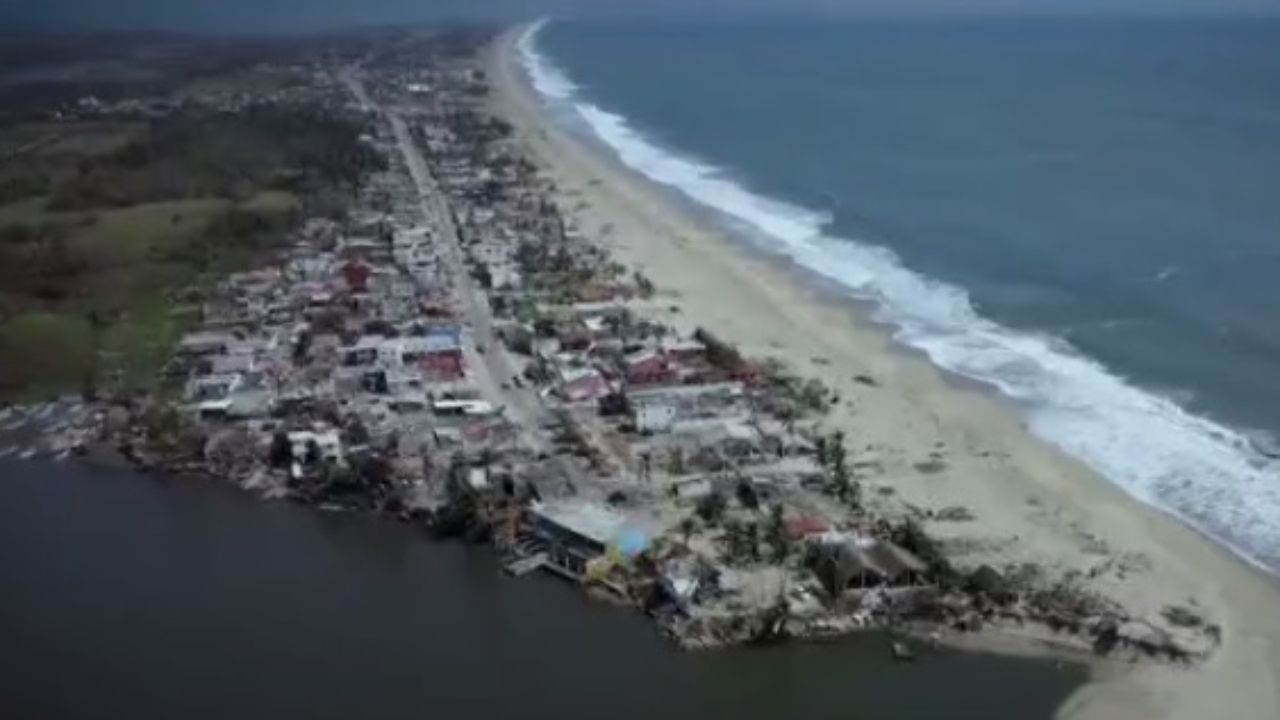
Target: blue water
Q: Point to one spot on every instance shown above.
(1084, 214)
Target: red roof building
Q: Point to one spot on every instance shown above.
(805, 526)
(648, 368)
(356, 275)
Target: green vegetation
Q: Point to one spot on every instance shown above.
(235, 155)
(139, 340)
(42, 353)
(39, 156)
(117, 271)
(833, 458)
(110, 228)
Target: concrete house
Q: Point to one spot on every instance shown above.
(200, 344)
(654, 415)
(575, 533)
(582, 384)
(647, 367)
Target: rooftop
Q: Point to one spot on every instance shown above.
(597, 522)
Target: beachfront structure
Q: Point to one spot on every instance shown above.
(684, 350)
(576, 533)
(648, 367)
(685, 409)
(711, 443)
(846, 562)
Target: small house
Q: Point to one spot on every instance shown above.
(582, 385)
(654, 415)
(213, 387)
(364, 353)
(356, 274)
(648, 367)
(463, 408)
(857, 563)
(243, 363)
(327, 443)
(201, 344)
(685, 351)
(442, 358)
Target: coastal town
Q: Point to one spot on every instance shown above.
(458, 353)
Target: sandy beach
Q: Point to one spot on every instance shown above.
(937, 442)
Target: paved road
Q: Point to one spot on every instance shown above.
(492, 367)
(493, 361)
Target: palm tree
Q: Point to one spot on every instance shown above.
(734, 541)
(675, 461)
(840, 476)
(686, 528)
(751, 538)
(776, 534)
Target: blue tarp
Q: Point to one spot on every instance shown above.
(632, 542)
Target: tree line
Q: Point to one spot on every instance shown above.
(200, 153)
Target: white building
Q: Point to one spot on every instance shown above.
(653, 416)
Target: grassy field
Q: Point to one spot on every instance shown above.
(50, 140)
(116, 319)
(114, 216)
(35, 157)
(113, 220)
(45, 353)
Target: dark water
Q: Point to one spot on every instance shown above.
(124, 597)
(1082, 213)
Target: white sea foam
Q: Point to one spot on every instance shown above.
(1205, 473)
(545, 77)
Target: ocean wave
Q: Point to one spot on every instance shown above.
(1200, 471)
(545, 77)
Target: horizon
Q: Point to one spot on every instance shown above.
(300, 17)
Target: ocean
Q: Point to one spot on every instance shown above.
(1081, 213)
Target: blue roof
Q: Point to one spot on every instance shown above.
(450, 330)
(438, 343)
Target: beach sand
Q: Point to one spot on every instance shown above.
(1031, 502)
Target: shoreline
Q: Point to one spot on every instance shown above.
(534, 626)
(1034, 500)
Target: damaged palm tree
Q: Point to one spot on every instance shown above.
(776, 535)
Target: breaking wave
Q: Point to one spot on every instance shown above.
(1209, 475)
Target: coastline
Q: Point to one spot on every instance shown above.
(348, 578)
(1032, 503)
